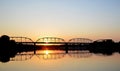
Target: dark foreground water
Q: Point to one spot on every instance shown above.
(57, 60)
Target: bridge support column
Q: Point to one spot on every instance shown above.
(34, 48)
(66, 48)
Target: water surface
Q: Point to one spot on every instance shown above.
(57, 60)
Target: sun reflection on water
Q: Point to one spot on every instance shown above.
(46, 52)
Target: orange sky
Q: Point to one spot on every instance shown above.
(61, 18)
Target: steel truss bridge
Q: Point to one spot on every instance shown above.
(51, 40)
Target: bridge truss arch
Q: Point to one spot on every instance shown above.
(22, 40)
(80, 40)
(50, 39)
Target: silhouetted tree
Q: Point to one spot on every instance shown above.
(7, 48)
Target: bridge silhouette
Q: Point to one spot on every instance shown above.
(51, 40)
(11, 46)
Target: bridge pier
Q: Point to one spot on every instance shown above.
(66, 48)
(34, 48)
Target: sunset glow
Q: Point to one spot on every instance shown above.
(94, 19)
(59, 35)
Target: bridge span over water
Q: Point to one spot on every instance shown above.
(51, 40)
